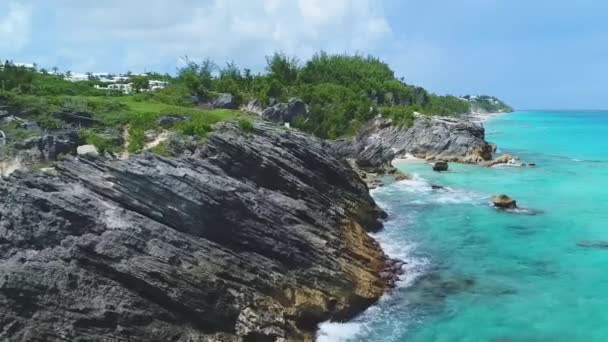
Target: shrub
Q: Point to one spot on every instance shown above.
(246, 125)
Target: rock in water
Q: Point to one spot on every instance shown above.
(252, 237)
(440, 166)
(593, 244)
(504, 202)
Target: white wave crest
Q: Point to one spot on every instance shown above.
(338, 332)
(426, 193)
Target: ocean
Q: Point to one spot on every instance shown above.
(474, 273)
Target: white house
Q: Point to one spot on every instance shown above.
(155, 85)
(125, 88)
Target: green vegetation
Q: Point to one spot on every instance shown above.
(487, 103)
(246, 125)
(103, 143)
(343, 92)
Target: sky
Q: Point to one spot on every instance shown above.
(534, 54)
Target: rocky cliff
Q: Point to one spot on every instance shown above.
(253, 236)
(430, 137)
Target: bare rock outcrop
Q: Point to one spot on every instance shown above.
(254, 236)
(431, 137)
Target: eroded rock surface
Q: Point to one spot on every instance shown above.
(285, 112)
(431, 138)
(251, 237)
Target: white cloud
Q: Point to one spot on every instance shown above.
(15, 27)
(151, 31)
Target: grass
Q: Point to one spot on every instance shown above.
(139, 113)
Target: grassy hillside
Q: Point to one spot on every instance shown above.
(342, 91)
(110, 114)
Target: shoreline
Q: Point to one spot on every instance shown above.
(481, 117)
(328, 331)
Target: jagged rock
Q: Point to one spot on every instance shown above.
(431, 138)
(373, 175)
(285, 112)
(170, 120)
(76, 118)
(505, 159)
(87, 150)
(224, 101)
(504, 202)
(252, 237)
(255, 107)
(49, 146)
(399, 176)
(440, 166)
(22, 154)
(27, 143)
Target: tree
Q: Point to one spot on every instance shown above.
(140, 83)
(282, 68)
(198, 77)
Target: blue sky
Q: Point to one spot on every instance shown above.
(532, 53)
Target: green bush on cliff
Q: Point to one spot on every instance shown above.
(245, 125)
(401, 115)
(342, 91)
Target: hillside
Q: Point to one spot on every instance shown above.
(341, 93)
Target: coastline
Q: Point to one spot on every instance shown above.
(343, 331)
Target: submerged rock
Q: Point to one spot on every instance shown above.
(440, 166)
(250, 237)
(434, 287)
(504, 202)
(593, 244)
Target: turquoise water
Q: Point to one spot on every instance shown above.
(477, 274)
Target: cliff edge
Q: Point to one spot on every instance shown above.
(255, 235)
(430, 137)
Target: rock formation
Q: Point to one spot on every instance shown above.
(252, 236)
(224, 101)
(504, 202)
(440, 166)
(431, 138)
(37, 149)
(254, 107)
(285, 112)
(373, 175)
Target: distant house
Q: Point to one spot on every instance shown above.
(125, 88)
(77, 77)
(25, 65)
(156, 85)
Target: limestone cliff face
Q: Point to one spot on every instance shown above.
(252, 236)
(432, 138)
